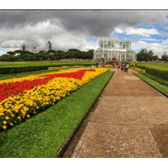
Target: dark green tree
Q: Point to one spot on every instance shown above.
(165, 56)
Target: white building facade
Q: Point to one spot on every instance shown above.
(48, 46)
(114, 49)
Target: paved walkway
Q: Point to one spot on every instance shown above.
(130, 120)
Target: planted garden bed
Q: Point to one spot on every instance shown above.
(42, 135)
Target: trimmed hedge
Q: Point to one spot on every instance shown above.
(13, 70)
(163, 74)
(159, 80)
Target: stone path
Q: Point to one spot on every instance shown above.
(130, 120)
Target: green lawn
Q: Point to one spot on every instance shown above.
(156, 65)
(160, 87)
(42, 136)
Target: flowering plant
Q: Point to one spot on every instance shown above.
(22, 98)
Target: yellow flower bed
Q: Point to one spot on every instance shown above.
(63, 67)
(17, 108)
(141, 70)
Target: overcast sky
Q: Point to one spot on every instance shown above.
(82, 29)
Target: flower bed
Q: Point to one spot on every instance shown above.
(25, 97)
(140, 70)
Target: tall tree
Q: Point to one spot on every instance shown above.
(164, 56)
(11, 53)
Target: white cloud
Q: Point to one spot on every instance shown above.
(165, 42)
(157, 48)
(139, 31)
(118, 30)
(37, 35)
(2, 51)
(66, 41)
(151, 39)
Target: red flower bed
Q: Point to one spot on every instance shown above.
(8, 89)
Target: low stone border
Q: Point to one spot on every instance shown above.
(66, 144)
(164, 94)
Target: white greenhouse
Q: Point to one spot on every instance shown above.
(114, 49)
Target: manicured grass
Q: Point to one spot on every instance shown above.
(42, 136)
(160, 87)
(161, 66)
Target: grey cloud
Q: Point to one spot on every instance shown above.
(92, 22)
(17, 26)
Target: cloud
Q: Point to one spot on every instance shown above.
(139, 31)
(38, 34)
(93, 22)
(157, 48)
(165, 42)
(2, 51)
(118, 30)
(151, 39)
(69, 28)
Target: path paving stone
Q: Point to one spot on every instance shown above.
(129, 121)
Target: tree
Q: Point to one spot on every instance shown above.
(11, 53)
(145, 55)
(18, 52)
(90, 54)
(150, 54)
(72, 50)
(155, 57)
(165, 56)
(142, 55)
(60, 54)
(42, 51)
(51, 51)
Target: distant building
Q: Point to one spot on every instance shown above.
(24, 47)
(34, 50)
(114, 49)
(48, 46)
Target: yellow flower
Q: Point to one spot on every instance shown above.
(19, 118)
(16, 111)
(28, 116)
(11, 124)
(4, 127)
(1, 114)
(7, 118)
(4, 122)
(46, 94)
(12, 115)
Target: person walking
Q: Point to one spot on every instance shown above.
(122, 66)
(134, 65)
(118, 67)
(127, 67)
(113, 64)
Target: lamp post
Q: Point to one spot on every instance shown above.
(50, 58)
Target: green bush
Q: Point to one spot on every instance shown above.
(12, 70)
(160, 72)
